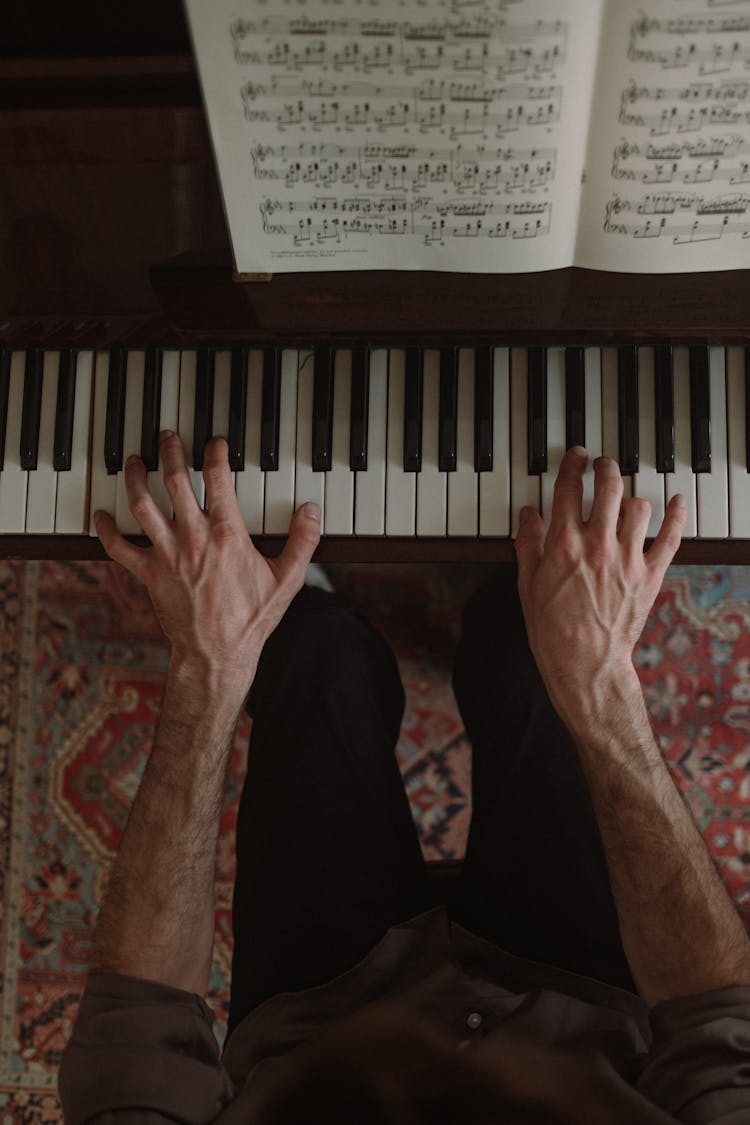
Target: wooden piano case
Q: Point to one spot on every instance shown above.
(112, 230)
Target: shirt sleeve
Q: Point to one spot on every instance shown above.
(141, 1052)
(698, 1068)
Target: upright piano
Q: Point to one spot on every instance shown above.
(421, 410)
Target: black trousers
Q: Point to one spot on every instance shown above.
(328, 857)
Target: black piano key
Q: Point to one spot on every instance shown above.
(664, 406)
(536, 382)
(413, 397)
(204, 404)
(115, 421)
(360, 409)
(270, 410)
(575, 397)
(322, 434)
(747, 406)
(448, 432)
(66, 395)
(483, 410)
(627, 412)
(32, 408)
(700, 409)
(237, 409)
(151, 412)
(4, 390)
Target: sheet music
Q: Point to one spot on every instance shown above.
(668, 163)
(399, 134)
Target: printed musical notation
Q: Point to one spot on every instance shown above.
(405, 168)
(329, 219)
(714, 218)
(423, 126)
(685, 118)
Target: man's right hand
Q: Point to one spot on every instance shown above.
(587, 587)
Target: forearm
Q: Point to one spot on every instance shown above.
(679, 927)
(157, 917)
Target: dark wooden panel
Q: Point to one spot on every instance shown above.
(333, 549)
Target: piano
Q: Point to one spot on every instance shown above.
(420, 410)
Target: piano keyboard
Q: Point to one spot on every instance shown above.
(393, 442)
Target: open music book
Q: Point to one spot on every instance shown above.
(492, 136)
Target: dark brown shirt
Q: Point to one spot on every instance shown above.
(145, 1052)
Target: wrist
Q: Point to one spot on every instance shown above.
(196, 685)
(611, 701)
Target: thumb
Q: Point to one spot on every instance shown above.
(529, 545)
(304, 536)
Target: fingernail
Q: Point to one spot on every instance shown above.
(166, 434)
(132, 459)
(579, 450)
(680, 501)
(312, 511)
(523, 515)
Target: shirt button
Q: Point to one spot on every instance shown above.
(474, 1020)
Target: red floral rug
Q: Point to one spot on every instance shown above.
(81, 672)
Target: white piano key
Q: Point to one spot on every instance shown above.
(169, 419)
(463, 485)
(42, 491)
(251, 480)
(71, 513)
(369, 483)
(279, 501)
(308, 485)
(131, 439)
(525, 489)
(432, 485)
(713, 487)
(222, 395)
(592, 374)
(739, 478)
(683, 478)
(103, 484)
(647, 482)
(611, 414)
(186, 425)
(339, 481)
(555, 426)
(495, 486)
(400, 487)
(14, 479)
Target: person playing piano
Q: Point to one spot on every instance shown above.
(588, 966)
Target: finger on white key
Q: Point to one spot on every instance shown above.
(648, 483)
(279, 496)
(186, 429)
(169, 419)
(683, 478)
(309, 484)
(103, 483)
(126, 522)
(251, 480)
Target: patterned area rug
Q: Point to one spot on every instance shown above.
(81, 672)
